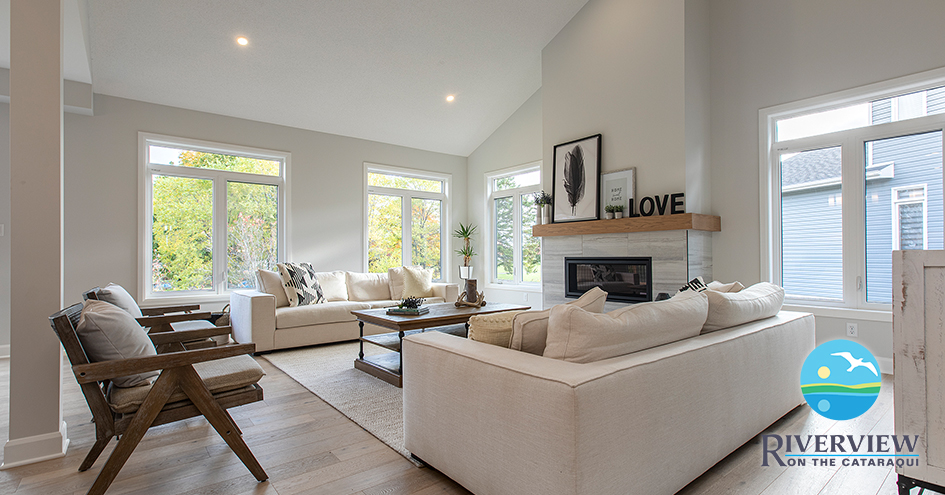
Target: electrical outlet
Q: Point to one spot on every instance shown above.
(525, 294)
(851, 330)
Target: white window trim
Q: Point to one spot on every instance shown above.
(489, 257)
(444, 197)
(854, 266)
(910, 201)
(145, 170)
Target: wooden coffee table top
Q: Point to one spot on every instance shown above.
(440, 314)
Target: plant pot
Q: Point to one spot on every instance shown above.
(465, 272)
(609, 215)
(546, 214)
(618, 214)
(470, 289)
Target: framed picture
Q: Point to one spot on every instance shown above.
(576, 179)
(617, 188)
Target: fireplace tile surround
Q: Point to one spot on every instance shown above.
(678, 256)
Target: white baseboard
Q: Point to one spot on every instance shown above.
(885, 365)
(36, 448)
(4, 351)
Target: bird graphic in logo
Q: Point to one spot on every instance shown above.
(840, 379)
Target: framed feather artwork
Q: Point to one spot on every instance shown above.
(576, 178)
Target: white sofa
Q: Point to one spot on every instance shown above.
(263, 316)
(501, 421)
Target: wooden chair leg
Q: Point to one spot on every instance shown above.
(94, 452)
(153, 403)
(198, 393)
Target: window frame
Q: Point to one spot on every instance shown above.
(853, 184)
(219, 178)
(489, 256)
(896, 203)
(406, 217)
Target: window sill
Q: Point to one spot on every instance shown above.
(847, 313)
(158, 301)
(533, 288)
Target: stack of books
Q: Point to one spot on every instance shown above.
(408, 311)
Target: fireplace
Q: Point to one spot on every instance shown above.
(624, 279)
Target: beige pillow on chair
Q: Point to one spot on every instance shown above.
(117, 295)
(530, 328)
(108, 332)
(495, 329)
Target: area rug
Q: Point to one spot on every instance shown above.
(328, 372)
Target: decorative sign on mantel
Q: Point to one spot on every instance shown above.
(657, 205)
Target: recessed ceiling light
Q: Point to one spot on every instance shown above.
(450, 98)
(242, 40)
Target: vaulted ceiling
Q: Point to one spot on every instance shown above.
(373, 69)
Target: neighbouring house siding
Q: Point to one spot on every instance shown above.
(811, 228)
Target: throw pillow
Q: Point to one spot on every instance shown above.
(495, 329)
(117, 295)
(368, 286)
(333, 285)
(530, 328)
(418, 278)
(697, 284)
(271, 283)
(579, 336)
(301, 284)
(720, 287)
(727, 309)
(108, 332)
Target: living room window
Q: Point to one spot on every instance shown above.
(514, 255)
(846, 179)
(212, 214)
(405, 204)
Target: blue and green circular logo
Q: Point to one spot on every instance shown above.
(840, 379)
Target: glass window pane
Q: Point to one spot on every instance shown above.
(518, 180)
(385, 232)
(252, 232)
(896, 215)
(425, 230)
(531, 245)
(188, 158)
(181, 234)
(404, 182)
(811, 231)
(504, 239)
(815, 124)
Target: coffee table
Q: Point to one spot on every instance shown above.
(389, 366)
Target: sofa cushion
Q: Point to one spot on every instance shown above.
(410, 281)
(333, 285)
(271, 283)
(367, 286)
(730, 287)
(108, 332)
(579, 336)
(221, 375)
(727, 309)
(117, 295)
(314, 314)
(301, 285)
(529, 328)
(495, 329)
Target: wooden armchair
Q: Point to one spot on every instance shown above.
(179, 392)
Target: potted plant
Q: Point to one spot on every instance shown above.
(465, 233)
(543, 202)
(618, 211)
(609, 211)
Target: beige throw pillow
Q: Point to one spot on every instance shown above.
(108, 332)
(530, 328)
(333, 285)
(727, 309)
(495, 329)
(730, 287)
(117, 295)
(368, 286)
(410, 281)
(581, 337)
(271, 283)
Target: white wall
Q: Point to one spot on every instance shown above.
(617, 68)
(516, 142)
(101, 188)
(769, 53)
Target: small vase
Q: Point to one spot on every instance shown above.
(538, 216)
(609, 215)
(618, 214)
(465, 272)
(546, 214)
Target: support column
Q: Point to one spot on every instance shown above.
(37, 431)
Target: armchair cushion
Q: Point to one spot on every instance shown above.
(270, 282)
(108, 332)
(495, 329)
(221, 375)
(117, 295)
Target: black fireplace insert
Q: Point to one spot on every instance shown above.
(624, 279)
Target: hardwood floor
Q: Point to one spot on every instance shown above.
(308, 447)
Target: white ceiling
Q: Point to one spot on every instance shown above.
(372, 69)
